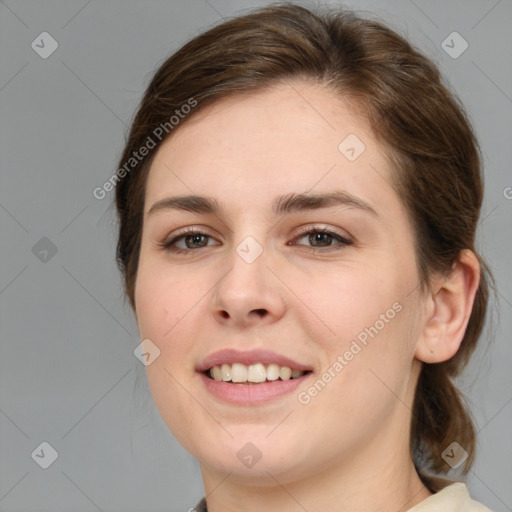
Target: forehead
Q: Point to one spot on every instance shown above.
(247, 150)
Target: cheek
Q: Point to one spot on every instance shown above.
(165, 315)
(162, 298)
(366, 370)
(371, 317)
(167, 303)
(352, 299)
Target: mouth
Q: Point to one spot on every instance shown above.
(251, 377)
(238, 373)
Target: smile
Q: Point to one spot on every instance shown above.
(252, 374)
(251, 377)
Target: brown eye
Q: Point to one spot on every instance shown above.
(192, 240)
(321, 238)
(189, 241)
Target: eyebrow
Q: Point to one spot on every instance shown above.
(286, 204)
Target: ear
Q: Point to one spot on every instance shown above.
(447, 310)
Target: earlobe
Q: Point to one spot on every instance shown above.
(448, 310)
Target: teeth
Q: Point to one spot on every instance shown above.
(256, 373)
(238, 372)
(285, 373)
(216, 373)
(226, 372)
(273, 372)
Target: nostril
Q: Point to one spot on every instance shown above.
(259, 312)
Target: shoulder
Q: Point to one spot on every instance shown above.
(448, 495)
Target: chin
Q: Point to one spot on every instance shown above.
(253, 459)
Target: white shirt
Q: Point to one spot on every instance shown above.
(449, 496)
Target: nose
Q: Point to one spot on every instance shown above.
(249, 293)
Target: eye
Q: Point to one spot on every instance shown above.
(193, 239)
(190, 240)
(323, 239)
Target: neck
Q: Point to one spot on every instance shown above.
(391, 484)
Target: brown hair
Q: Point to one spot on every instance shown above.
(411, 112)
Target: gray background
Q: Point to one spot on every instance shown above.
(68, 375)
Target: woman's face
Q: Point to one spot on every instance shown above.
(253, 291)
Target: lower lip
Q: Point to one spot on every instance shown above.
(250, 394)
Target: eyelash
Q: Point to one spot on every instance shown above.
(168, 245)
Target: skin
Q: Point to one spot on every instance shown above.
(309, 305)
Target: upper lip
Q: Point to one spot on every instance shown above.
(249, 357)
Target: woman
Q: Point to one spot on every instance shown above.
(298, 199)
